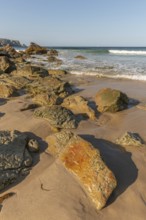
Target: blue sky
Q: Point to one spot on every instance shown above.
(74, 22)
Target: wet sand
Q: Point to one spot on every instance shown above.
(49, 192)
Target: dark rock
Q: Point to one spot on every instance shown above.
(14, 156)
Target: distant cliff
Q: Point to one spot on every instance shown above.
(14, 43)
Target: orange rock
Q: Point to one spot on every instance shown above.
(85, 162)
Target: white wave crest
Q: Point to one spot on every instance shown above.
(128, 52)
(117, 76)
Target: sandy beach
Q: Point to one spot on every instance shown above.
(50, 192)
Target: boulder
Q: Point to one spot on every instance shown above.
(79, 105)
(57, 116)
(84, 161)
(50, 85)
(28, 70)
(18, 82)
(56, 72)
(6, 65)
(52, 52)
(80, 57)
(35, 49)
(14, 157)
(130, 139)
(11, 51)
(111, 100)
(47, 99)
(53, 59)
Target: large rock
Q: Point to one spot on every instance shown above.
(58, 116)
(111, 100)
(80, 105)
(11, 51)
(130, 139)
(80, 57)
(35, 49)
(6, 65)
(53, 59)
(50, 85)
(84, 161)
(14, 157)
(47, 99)
(30, 71)
(17, 82)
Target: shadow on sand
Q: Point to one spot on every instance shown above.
(119, 161)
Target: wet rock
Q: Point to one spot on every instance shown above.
(57, 116)
(52, 52)
(130, 139)
(35, 49)
(84, 161)
(80, 57)
(6, 65)
(111, 100)
(80, 105)
(14, 156)
(53, 59)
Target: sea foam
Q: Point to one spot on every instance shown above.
(128, 52)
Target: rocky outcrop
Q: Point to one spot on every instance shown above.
(28, 70)
(15, 159)
(79, 105)
(50, 86)
(111, 100)
(130, 139)
(6, 65)
(57, 116)
(13, 43)
(35, 49)
(84, 161)
(10, 51)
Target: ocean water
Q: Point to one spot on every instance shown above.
(111, 62)
(116, 62)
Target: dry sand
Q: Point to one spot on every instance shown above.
(49, 192)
